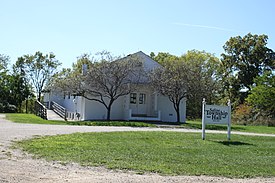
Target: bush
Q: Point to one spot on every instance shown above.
(243, 115)
(11, 108)
(7, 108)
(247, 115)
(111, 123)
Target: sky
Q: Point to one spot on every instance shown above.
(70, 28)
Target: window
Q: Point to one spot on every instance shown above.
(142, 97)
(133, 98)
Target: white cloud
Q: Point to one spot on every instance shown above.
(206, 27)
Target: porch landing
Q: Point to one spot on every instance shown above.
(144, 117)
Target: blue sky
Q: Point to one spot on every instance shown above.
(70, 28)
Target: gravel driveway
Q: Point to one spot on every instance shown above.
(16, 166)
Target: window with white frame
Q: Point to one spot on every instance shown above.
(142, 98)
(133, 98)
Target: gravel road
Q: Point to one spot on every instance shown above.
(17, 166)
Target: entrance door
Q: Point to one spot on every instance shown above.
(138, 103)
(142, 103)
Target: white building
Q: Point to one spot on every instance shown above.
(144, 104)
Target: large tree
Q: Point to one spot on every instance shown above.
(262, 95)
(202, 79)
(173, 80)
(205, 82)
(244, 59)
(4, 82)
(163, 57)
(13, 87)
(39, 69)
(20, 87)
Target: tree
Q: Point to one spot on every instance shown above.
(4, 82)
(162, 57)
(173, 80)
(205, 80)
(4, 60)
(262, 95)
(244, 59)
(39, 69)
(13, 86)
(107, 79)
(19, 86)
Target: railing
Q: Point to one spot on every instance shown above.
(60, 110)
(40, 110)
(47, 105)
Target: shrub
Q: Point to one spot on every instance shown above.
(247, 115)
(7, 108)
(243, 114)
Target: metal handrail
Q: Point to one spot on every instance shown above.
(40, 110)
(60, 110)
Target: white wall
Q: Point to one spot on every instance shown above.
(97, 111)
(168, 113)
(72, 104)
(57, 97)
(117, 109)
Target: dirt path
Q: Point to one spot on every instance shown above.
(16, 166)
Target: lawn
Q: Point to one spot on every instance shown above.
(166, 153)
(241, 128)
(32, 119)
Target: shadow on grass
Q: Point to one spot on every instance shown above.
(213, 127)
(234, 143)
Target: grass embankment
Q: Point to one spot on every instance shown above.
(241, 128)
(168, 153)
(32, 119)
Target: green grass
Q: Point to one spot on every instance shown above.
(112, 123)
(166, 153)
(241, 128)
(32, 119)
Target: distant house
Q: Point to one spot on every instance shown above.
(143, 104)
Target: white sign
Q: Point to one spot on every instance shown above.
(214, 114)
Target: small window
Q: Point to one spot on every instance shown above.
(133, 98)
(142, 98)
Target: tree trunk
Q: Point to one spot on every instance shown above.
(178, 114)
(20, 107)
(27, 106)
(177, 109)
(39, 97)
(109, 110)
(108, 114)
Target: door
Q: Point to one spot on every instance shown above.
(142, 103)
